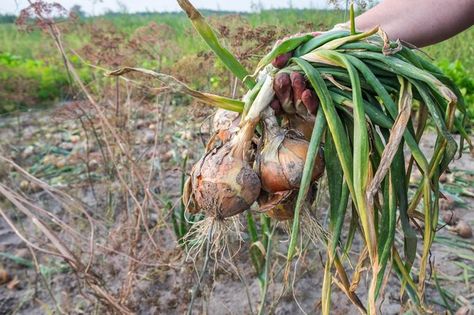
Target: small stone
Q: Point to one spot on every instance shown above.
(28, 151)
(4, 276)
(49, 159)
(149, 138)
(75, 139)
(13, 284)
(93, 165)
(24, 184)
(60, 163)
(167, 156)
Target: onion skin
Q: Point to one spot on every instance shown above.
(463, 229)
(188, 197)
(301, 124)
(224, 184)
(279, 206)
(282, 162)
(225, 124)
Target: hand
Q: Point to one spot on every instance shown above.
(293, 94)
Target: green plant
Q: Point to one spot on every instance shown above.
(367, 129)
(461, 77)
(27, 82)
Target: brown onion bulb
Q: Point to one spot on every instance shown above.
(223, 183)
(281, 205)
(450, 218)
(463, 229)
(282, 158)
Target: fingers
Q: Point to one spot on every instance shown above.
(283, 91)
(276, 106)
(310, 101)
(292, 95)
(298, 84)
(281, 61)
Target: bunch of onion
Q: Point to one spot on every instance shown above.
(366, 86)
(223, 183)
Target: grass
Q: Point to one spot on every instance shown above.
(30, 45)
(39, 76)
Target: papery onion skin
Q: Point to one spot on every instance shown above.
(224, 184)
(225, 124)
(188, 197)
(281, 166)
(279, 206)
(303, 125)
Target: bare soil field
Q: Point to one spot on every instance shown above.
(159, 279)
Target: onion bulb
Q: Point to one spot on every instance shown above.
(283, 156)
(223, 183)
(450, 218)
(463, 229)
(279, 206)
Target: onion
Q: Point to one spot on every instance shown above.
(279, 205)
(224, 184)
(450, 218)
(188, 197)
(283, 156)
(463, 229)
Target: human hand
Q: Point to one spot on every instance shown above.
(293, 94)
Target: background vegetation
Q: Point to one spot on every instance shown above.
(31, 72)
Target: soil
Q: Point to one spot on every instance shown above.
(166, 287)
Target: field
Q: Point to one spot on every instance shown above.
(91, 178)
(33, 72)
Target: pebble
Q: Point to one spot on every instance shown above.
(27, 152)
(75, 139)
(67, 146)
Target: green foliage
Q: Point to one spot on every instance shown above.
(7, 18)
(460, 75)
(32, 72)
(26, 81)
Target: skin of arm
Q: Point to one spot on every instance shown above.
(419, 22)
